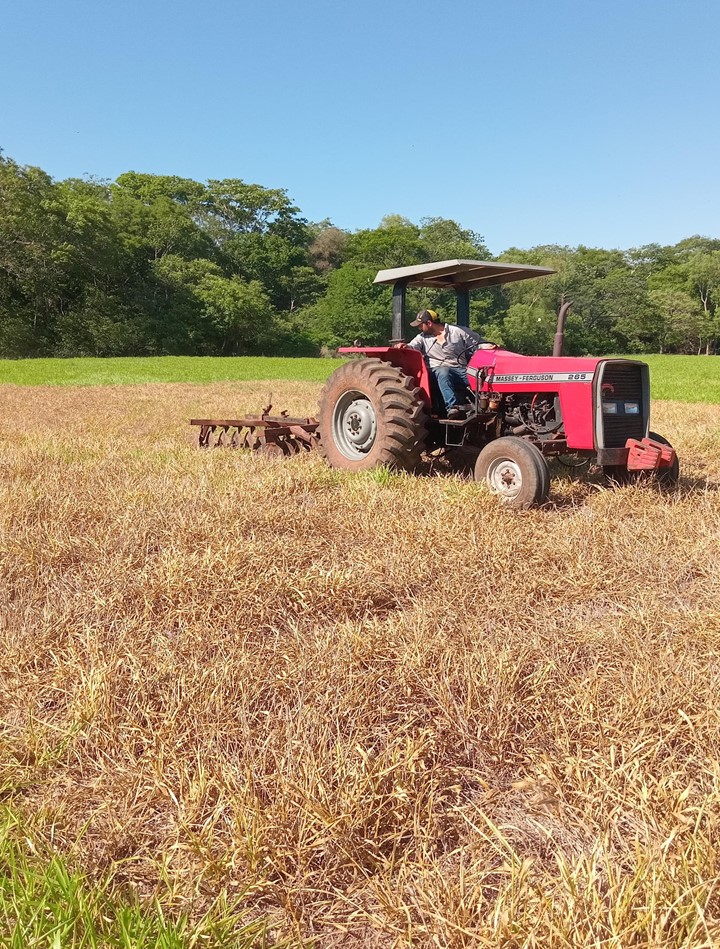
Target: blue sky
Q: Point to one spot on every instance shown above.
(533, 122)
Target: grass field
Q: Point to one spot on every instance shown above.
(348, 710)
(145, 369)
(682, 378)
(685, 378)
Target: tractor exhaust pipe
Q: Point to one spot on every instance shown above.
(560, 331)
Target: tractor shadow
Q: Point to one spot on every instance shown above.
(572, 488)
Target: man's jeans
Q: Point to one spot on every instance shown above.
(451, 385)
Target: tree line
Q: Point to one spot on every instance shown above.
(163, 265)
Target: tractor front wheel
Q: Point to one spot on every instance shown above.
(370, 414)
(515, 470)
(666, 477)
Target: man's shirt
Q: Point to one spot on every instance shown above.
(456, 349)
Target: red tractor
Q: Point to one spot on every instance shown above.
(378, 410)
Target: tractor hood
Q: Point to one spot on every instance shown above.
(498, 367)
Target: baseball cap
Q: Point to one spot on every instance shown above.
(425, 316)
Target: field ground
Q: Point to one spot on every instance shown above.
(357, 710)
(682, 378)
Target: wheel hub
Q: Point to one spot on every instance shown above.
(354, 424)
(505, 477)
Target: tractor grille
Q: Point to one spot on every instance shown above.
(627, 385)
(618, 430)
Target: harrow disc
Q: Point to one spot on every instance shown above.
(250, 440)
(223, 438)
(273, 450)
(291, 445)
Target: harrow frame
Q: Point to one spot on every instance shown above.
(272, 435)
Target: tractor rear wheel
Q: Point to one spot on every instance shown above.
(515, 470)
(370, 414)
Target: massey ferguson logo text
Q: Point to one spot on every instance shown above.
(520, 377)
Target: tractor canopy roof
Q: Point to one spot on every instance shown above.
(461, 274)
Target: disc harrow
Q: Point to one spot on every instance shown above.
(277, 436)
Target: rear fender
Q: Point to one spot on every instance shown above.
(409, 360)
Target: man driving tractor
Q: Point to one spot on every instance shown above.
(447, 349)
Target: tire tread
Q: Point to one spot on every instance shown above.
(402, 416)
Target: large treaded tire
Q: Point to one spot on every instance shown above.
(371, 414)
(516, 471)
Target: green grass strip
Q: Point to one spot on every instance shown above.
(684, 378)
(143, 369)
(678, 378)
(44, 904)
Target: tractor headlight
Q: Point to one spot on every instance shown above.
(632, 408)
(609, 408)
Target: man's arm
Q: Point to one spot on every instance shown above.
(473, 336)
(470, 340)
(415, 343)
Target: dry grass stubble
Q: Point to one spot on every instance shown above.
(380, 709)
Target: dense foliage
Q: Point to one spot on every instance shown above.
(158, 265)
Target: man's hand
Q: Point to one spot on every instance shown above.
(399, 345)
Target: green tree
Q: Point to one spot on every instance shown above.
(396, 243)
(529, 329)
(327, 249)
(101, 324)
(240, 315)
(352, 308)
(697, 244)
(148, 189)
(161, 214)
(232, 206)
(633, 319)
(36, 248)
(680, 323)
(176, 315)
(649, 259)
(278, 264)
(444, 239)
(704, 283)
